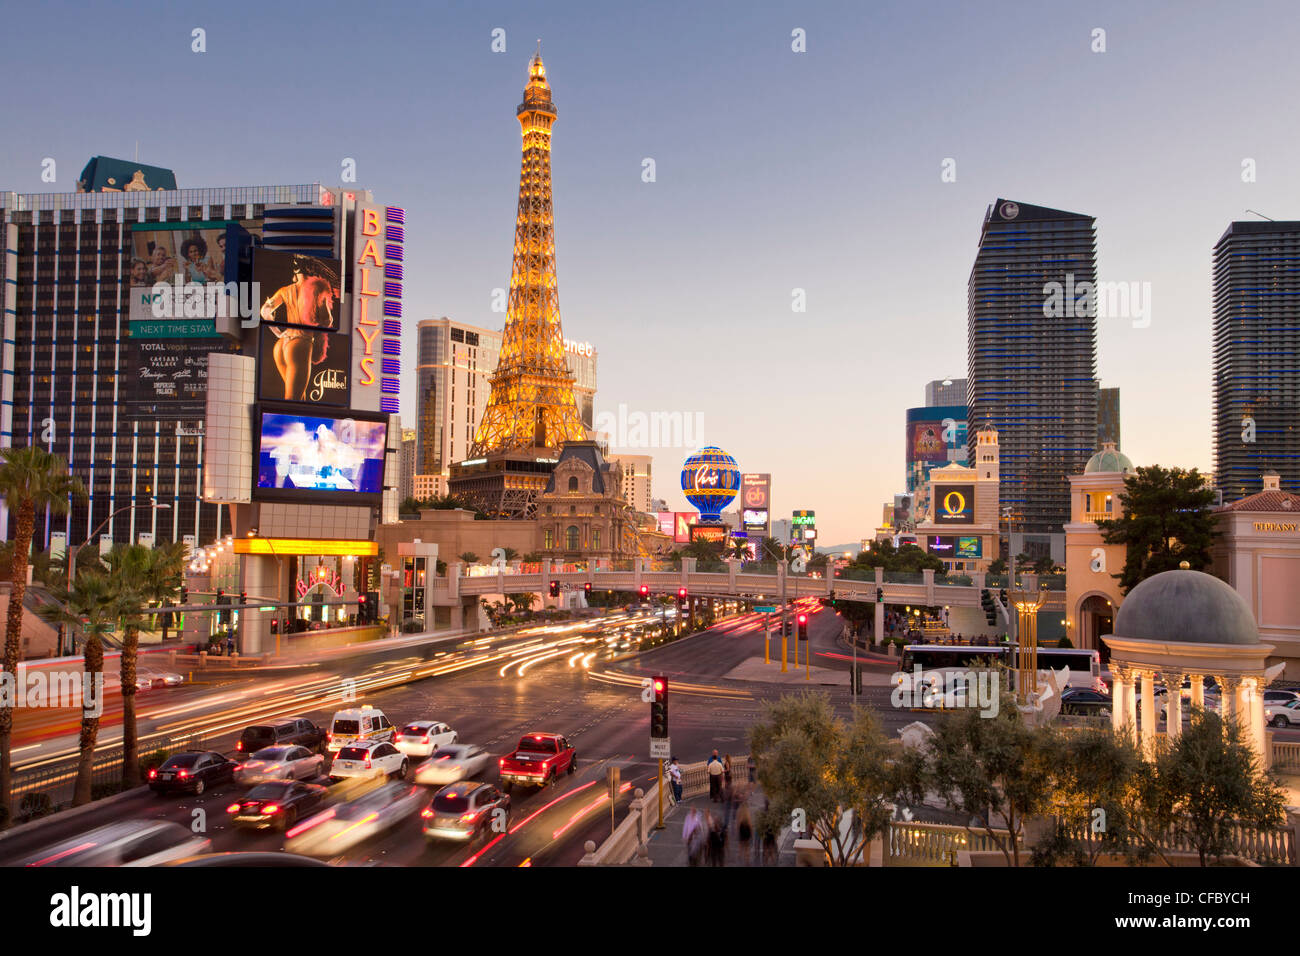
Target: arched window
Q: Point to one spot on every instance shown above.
(550, 539)
(573, 484)
(571, 538)
(595, 539)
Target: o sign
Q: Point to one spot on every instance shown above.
(948, 503)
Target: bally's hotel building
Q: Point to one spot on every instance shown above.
(91, 378)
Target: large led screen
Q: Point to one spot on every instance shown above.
(305, 453)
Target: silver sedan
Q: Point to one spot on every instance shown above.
(279, 763)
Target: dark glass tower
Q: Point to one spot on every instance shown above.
(1257, 356)
(1032, 374)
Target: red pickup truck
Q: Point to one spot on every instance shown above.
(537, 761)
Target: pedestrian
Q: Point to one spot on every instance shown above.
(753, 768)
(230, 645)
(744, 824)
(693, 836)
(769, 847)
(726, 771)
(717, 841)
(675, 779)
(715, 770)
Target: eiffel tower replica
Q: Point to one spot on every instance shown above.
(531, 411)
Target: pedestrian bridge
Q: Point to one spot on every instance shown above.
(765, 582)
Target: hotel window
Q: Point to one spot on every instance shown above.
(595, 539)
(571, 538)
(549, 542)
(573, 485)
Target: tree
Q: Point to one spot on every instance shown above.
(409, 506)
(1206, 782)
(533, 557)
(509, 553)
(1045, 565)
(31, 480)
(813, 765)
(1098, 802)
(522, 602)
(142, 577)
(998, 566)
(469, 557)
(774, 550)
(1166, 521)
(908, 557)
(995, 769)
(702, 551)
(92, 607)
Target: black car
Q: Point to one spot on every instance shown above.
(290, 730)
(1084, 703)
(276, 805)
(194, 770)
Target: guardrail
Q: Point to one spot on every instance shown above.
(934, 844)
(1286, 756)
(39, 791)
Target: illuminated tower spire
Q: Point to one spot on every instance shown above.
(531, 404)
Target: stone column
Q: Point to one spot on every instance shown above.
(1198, 690)
(1258, 735)
(1173, 681)
(1228, 687)
(1118, 697)
(1148, 730)
(879, 622)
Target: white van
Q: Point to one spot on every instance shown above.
(364, 723)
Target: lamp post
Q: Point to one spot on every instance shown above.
(74, 548)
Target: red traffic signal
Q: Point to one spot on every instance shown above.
(645, 590)
(555, 589)
(681, 593)
(803, 618)
(659, 685)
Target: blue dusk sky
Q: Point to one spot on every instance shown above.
(775, 170)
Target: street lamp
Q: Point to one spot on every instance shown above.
(74, 548)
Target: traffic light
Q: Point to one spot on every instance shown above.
(243, 597)
(681, 595)
(990, 611)
(555, 589)
(185, 594)
(659, 708)
(880, 595)
(803, 627)
(275, 625)
(832, 598)
(363, 611)
(645, 590)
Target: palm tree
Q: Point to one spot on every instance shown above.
(91, 606)
(31, 479)
(143, 576)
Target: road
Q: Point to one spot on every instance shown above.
(489, 704)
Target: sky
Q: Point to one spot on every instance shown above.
(775, 170)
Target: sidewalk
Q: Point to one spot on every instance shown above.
(667, 848)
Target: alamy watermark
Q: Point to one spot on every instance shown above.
(981, 689)
(637, 429)
(46, 688)
(1105, 300)
(211, 300)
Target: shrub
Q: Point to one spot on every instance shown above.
(34, 805)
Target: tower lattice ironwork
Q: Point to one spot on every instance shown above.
(531, 404)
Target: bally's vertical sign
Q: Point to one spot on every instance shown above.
(378, 248)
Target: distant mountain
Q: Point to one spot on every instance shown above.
(852, 548)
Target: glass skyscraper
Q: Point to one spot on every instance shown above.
(1032, 356)
(1257, 356)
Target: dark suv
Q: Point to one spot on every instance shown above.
(290, 730)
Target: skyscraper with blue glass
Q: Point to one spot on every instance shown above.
(1032, 358)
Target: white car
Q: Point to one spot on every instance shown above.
(452, 764)
(1283, 715)
(336, 830)
(421, 738)
(279, 763)
(125, 843)
(369, 758)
